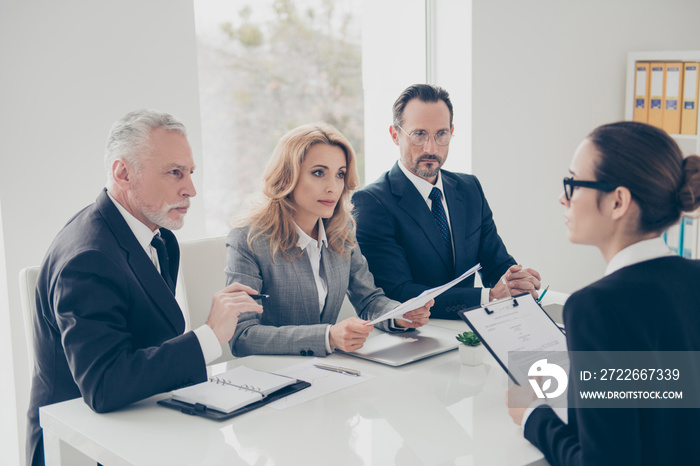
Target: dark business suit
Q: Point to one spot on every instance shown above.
(107, 326)
(406, 254)
(649, 306)
(291, 322)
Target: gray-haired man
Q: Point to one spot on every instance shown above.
(107, 326)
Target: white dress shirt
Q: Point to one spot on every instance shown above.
(313, 248)
(641, 251)
(211, 349)
(424, 188)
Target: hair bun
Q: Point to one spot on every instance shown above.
(689, 192)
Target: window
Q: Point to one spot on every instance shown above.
(265, 67)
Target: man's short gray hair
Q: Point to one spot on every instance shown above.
(129, 137)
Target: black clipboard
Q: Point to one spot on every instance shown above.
(199, 409)
(493, 308)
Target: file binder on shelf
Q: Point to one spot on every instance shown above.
(672, 237)
(641, 92)
(689, 236)
(673, 85)
(233, 393)
(689, 109)
(656, 95)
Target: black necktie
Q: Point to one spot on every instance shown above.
(157, 242)
(440, 218)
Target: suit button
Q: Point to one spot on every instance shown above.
(303, 352)
(311, 352)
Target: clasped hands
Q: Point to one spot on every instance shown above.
(351, 333)
(516, 280)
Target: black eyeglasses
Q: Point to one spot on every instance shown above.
(570, 184)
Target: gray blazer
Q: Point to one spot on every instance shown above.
(290, 322)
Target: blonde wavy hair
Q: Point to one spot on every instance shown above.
(274, 218)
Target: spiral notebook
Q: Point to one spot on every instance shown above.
(232, 393)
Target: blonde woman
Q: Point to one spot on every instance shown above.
(299, 248)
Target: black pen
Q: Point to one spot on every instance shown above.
(259, 296)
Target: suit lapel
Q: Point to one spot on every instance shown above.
(309, 294)
(411, 202)
(141, 264)
(334, 280)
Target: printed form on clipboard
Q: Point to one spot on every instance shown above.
(516, 324)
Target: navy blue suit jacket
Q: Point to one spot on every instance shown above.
(401, 241)
(107, 326)
(649, 306)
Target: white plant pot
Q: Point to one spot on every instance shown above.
(472, 355)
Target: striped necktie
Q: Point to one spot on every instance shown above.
(440, 218)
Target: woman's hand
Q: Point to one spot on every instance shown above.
(518, 399)
(349, 334)
(418, 317)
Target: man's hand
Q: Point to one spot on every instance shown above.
(516, 280)
(226, 306)
(349, 334)
(418, 317)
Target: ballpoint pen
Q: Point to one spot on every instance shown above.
(260, 296)
(542, 295)
(340, 370)
(507, 289)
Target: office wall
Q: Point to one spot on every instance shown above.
(69, 69)
(545, 73)
(395, 43)
(388, 67)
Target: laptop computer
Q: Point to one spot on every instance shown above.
(555, 311)
(397, 349)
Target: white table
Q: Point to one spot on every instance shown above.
(432, 412)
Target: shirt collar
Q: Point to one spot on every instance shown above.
(641, 251)
(143, 234)
(421, 185)
(304, 240)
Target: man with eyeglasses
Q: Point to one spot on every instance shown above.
(420, 226)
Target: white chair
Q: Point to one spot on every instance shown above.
(27, 286)
(202, 264)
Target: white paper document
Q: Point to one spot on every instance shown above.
(424, 297)
(322, 382)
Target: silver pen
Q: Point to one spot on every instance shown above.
(340, 370)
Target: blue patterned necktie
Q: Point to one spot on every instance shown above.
(164, 262)
(440, 217)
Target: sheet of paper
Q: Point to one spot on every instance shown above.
(424, 297)
(322, 382)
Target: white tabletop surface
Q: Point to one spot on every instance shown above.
(432, 412)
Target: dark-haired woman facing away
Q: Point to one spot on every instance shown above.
(629, 182)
